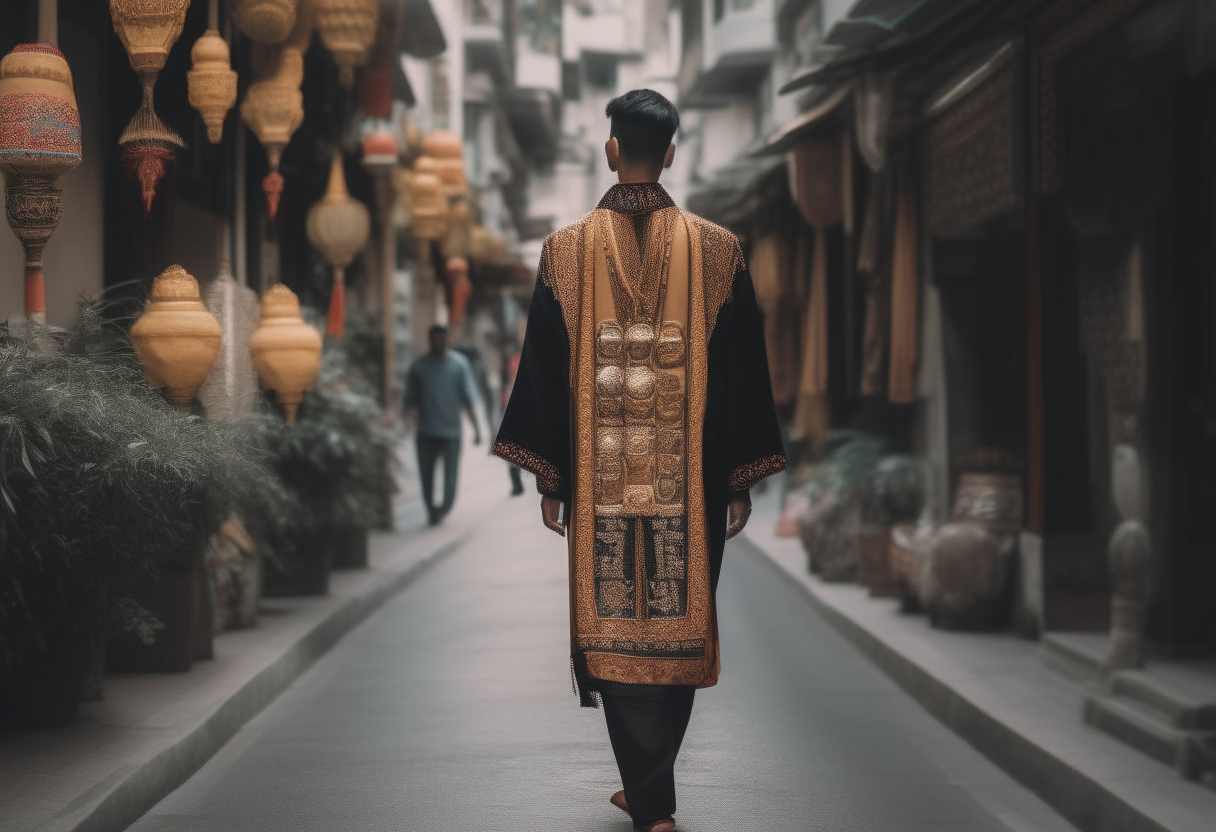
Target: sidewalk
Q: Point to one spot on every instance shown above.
(996, 692)
(152, 731)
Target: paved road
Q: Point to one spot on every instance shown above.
(450, 709)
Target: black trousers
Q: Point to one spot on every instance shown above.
(646, 725)
(430, 449)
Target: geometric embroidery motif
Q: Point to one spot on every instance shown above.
(663, 553)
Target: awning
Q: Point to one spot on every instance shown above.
(790, 134)
(420, 34)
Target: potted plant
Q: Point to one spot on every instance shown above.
(102, 487)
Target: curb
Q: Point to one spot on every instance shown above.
(1081, 799)
(125, 799)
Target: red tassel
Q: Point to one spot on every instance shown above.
(272, 186)
(337, 308)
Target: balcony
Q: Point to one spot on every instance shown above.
(738, 42)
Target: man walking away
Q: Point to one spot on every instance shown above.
(439, 386)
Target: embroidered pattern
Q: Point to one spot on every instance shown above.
(747, 475)
(548, 478)
(636, 198)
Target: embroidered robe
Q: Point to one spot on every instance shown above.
(643, 402)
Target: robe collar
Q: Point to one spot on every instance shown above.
(636, 198)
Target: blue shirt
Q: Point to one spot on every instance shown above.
(441, 387)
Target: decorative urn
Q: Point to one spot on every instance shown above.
(39, 141)
(286, 351)
(274, 109)
(266, 21)
(338, 227)
(176, 338)
(446, 149)
(148, 29)
(211, 83)
(348, 30)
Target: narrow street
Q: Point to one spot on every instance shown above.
(451, 709)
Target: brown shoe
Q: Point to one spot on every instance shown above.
(664, 825)
(618, 800)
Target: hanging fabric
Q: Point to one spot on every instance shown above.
(811, 413)
(904, 301)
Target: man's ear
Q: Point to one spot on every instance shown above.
(612, 151)
(669, 156)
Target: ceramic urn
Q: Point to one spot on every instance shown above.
(176, 338)
(446, 149)
(39, 141)
(428, 220)
(286, 351)
(348, 30)
(211, 83)
(274, 109)
(266, 21)
(338, 227)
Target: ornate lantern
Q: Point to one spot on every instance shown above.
(348, 30)
(446, 149)
(266, 21)
(460, 289)
(274, 109)
(148, 29)
(379, 149)
(459, 230)
(211, 82)
(286, 351)
(39, 141)
(176, 338)
(430, 207)
(338, 227)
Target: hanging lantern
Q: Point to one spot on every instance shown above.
(459, 232)
(460, 288)
(39, 141)
(446, 149)
(348, 30)
(274, 109)
(176, 339)
(148, 29)
(286, 351)
(266, 21)
(338, 227)
(379, 149)
(211, 83)
(430, 208)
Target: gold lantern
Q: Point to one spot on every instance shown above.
(39, 141)
(148, 29)
(428, 221)
(266, 21)
(176, 338)
(458, 237)
(274, 109)
(338, 227)
(348, 30)
(446, 149)
(211, 83)
(286, 351)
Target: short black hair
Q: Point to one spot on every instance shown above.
(643, 122)
(437, 329)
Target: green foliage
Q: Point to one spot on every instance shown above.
(102, 484)
(336, 458)
(857, 467)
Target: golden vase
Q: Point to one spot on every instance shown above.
(177, 339)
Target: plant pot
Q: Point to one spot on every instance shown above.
(204, 633)
(175, 601)
(309, 574)
(967, 584)
(874, 563)
(350, 548)
(829, 531)
(43, 689)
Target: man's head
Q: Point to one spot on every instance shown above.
(643, 124)
(439, 338)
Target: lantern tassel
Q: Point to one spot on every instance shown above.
(337, 306)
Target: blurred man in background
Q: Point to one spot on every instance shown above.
(439, 386)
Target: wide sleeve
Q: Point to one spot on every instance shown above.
(753, 448)
(535, 429)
